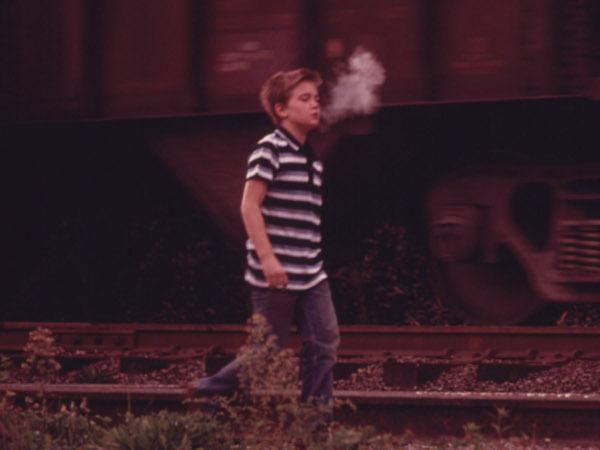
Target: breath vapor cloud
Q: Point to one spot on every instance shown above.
(355, 92)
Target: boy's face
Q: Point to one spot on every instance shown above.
(303, 110)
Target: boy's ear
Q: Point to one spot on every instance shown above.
(280, 110)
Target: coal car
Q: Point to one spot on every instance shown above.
(486, 139)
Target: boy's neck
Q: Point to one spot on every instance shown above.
(298, 133)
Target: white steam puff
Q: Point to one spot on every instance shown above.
(355, 92)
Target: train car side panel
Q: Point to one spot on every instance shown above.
(248, 42)
(489, 49)
(42, 46)
(392, 30)
(145, 58)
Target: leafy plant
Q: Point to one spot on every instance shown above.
(388, 284)
(264, 366)
(41, 351)
(498, 424)
(5, 367)
(167, 430)
(101, 372)
(266, 412)
(38, 427)
(473, 435)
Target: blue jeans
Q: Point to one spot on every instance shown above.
(319, 329)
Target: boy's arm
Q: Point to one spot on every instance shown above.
(252, 198)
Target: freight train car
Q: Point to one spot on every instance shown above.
(486, 137)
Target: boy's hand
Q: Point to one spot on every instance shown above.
(274, 273)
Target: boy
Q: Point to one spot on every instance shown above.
(281, 211)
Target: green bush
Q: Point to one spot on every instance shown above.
(167, 430)
(266, 412)
(389, 283)
(38, 427)
(5, 367)
(41, 351)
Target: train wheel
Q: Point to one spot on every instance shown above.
(487, 293)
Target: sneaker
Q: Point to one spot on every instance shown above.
(206, 387)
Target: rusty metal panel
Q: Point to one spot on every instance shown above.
(538, 48)
(247, 42)
(575, 28)
(393, 30)
(490, 49)
(145, 57)
(42, 59)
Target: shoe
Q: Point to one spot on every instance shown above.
(206, 387)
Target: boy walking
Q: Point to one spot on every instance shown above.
(281, 210)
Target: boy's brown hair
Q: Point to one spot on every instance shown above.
(278, 87)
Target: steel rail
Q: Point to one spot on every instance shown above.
(443, 342)
(170, 392)
(556, 416)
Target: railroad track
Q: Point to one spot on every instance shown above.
(412, 356)
(426, 414)
(500, 351)
(458, 342)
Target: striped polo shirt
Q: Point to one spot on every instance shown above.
(291, 209)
